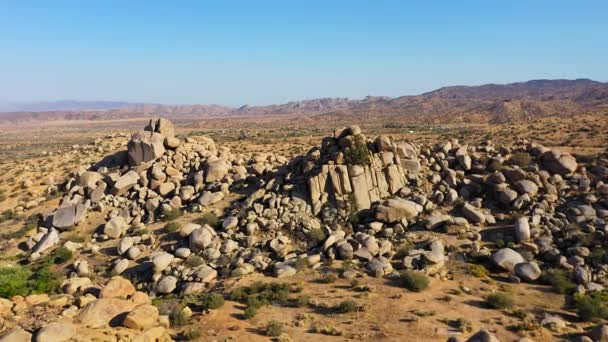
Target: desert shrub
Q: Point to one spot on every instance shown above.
(558, 279)
(499, 301)
(77, 238)
(301, 264)
(303, 301)
(326, 329)
(23, 281)
(358, 153)
(62, 254)
(348, 306)
(478, 271)
(521, 159)
(173, 214)
(172, 227)
(328, 278)
(316, 235)
(194, 261)
(7, 215)
(13, 281)
(414, 281)
(260, 294)
(250, 312)
(274, 329)
(178, 316)
(592, 306)
(212, 301)
(44, 280)
(209, 218)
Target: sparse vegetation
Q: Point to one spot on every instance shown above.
(274, 329)
(358, 153)
(592, 306)
(558, 279)
(477, 271)
(499, 300)
(348, 306)
(414, 281)
(38, 278)
(172, 227)
(62, 255)
(209, 218)
(173, 214)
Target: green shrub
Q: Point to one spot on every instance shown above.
(274, 329)
(358, 153)
(316, 235)
(303, 301)
(592, 306)
(499, 301)
(260, 294)
(173, 214)
(212, 301)
(23, 281)
(478, 271)
(44, 280)
(328, 278)
(13, 281)
(559, 280)
(172, 227)
(301, 264)
(209, 218)
(348, 306)
(250, 312)
(62, 254)
(414, 281)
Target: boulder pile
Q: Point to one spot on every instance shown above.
(382, 204)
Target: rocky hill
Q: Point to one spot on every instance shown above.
(382, 208)
(486, 103)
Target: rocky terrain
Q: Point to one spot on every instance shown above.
(491, 103)
(156, 236)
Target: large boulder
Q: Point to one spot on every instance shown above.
(115, 227)
(68, 216)
(216, 170)
(162, 126)
(104, 311)
(142, 317)
(473, 214)
(16, 334)
(125, 183)
(506, 258)
(396, 209)
(56, 332)
(522, 229)
(557, 162)
(89, 179)
(117, 287)
(145, 146)
(528, 271)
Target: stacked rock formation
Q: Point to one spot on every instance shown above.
(351, 168)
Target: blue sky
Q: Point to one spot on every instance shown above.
(261, 52)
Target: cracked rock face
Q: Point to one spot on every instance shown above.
(145, 146)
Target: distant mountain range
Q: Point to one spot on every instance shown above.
(486, 103)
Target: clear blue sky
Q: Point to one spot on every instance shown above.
(260, 52)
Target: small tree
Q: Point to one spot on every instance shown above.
(358, 153)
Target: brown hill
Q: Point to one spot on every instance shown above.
(486, 103)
